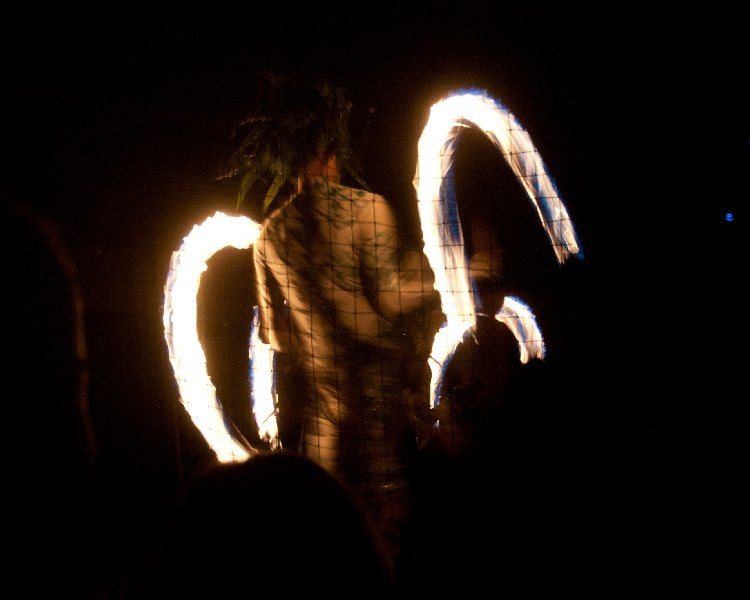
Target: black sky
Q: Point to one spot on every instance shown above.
(115, 121)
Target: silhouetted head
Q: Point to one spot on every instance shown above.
(277, 525)
(44, 345)
(48, 438)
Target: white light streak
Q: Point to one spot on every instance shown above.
(441, 230)
(197, 392)
(261, 385)
(521, 321)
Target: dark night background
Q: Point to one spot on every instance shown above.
(115, 123)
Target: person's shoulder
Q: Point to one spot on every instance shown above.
(355, 193)
(366, 205)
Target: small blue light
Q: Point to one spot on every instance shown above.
(729, 217)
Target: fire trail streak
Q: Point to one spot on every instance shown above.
(441, 228)
(197, 393)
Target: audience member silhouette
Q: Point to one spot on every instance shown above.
(470, 512)
(48, 442)
(479, 388)
(275, 526)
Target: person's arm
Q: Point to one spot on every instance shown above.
(273, 328)
(400, 279)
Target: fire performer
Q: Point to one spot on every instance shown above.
(349, 310)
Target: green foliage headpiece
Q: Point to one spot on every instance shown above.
(293, 121)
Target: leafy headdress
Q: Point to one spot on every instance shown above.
(294, 120)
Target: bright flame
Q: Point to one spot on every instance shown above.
(197, 392)
(521, 321)
(441, 230)
(261, 385)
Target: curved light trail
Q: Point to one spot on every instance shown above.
(197, 392)
(441, 230)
